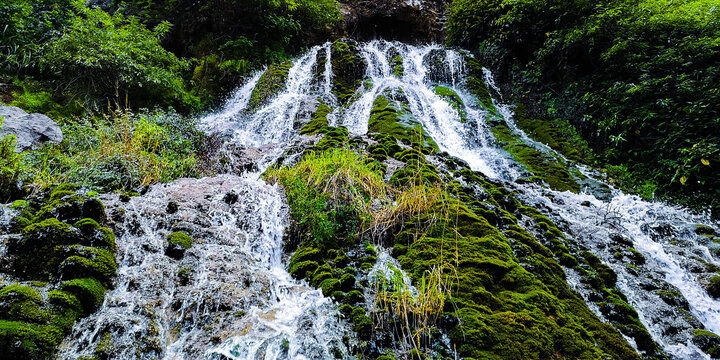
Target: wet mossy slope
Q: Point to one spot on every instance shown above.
(61, 261)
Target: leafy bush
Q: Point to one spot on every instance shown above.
(122, 151)
(26, 25)
(108, 56)
(638, 78)
(10, 166)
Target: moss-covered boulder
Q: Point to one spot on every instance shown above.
(318, 122)
(177, 243)
(21, 303)
(61, 238)
(348, 68)
(391, 118)
(89, 291)
(271, 82)
(452, 98)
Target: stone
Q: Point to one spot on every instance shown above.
(31, 130)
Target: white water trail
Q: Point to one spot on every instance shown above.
(228, 297)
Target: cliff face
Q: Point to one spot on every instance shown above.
(410, 21)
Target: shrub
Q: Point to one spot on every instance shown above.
(105, 56)
(10, 167)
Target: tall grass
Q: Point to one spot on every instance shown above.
(122, 150)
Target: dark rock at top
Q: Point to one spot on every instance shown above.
(415, 21)
(31, 130)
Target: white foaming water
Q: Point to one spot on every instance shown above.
(229, 297)
(226, 119)
(437, 116)
(588, 227)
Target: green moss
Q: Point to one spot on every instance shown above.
(21, 340)
(453, 99)
(713, 286)
(476, 83)
(19, 204)
(270, 83)
(177, 243)
(390, 117)
(89, 291)
(85, 261)
(546, 167)
(65, 300)
(555, 134)
(347, 282)
(318, 122)
(335, 138)
(348, 68)
(361, 323)
(329, 285)
(21, 303)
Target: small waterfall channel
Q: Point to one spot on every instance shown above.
(229, 297)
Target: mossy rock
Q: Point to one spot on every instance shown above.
(348, 68)
(89, 291)
(708, 341)
(396, 62)
(390, 117)
(65, 300)
(36, 257)
(21, 303)
(361, 323)
(475, 81)
(335, 138)
(354, 297)
(347, 282)
(713, 286)
(270, 83)
(177, 243)
(85, 261)
(318, 122)
(329, 285)
(20, 340)
(555, 134)
(544, 166)
(452, 98)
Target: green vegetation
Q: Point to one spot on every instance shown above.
(121, 151)
(637, 79)
(10, 167)
(65, 261)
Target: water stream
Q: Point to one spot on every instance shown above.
(230, 296)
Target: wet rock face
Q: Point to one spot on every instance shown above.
(411, 21)
(31, 130)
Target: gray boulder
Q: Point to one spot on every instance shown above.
(31, 130)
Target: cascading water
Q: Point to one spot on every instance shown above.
(228, 297)
(589, 227)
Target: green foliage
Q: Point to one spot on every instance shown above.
(638, 79)
(10, 166)
(121, 151)
(330, 193)
(105, 56)
(28, 24)
(34, 99)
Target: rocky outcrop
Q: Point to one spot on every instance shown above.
(31, 130)
(413, 21)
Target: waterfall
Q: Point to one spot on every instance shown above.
(230, 296)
